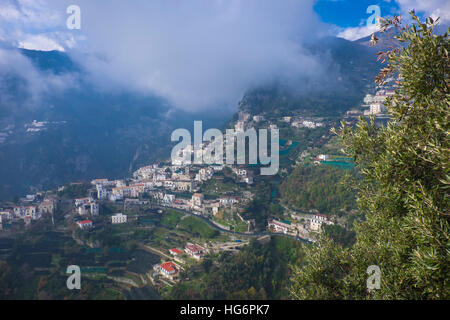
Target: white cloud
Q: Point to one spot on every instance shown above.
(196, 54)
(433, 8)
(31, 24)
(40, 42)
(356, 33)
(34, 85)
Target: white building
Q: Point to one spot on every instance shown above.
(215, 208)
(5, 215)
(168, 269)
(118, 218)
(85, 224)
(258, 118)
(248, 180)
(195, 251)
(83, 201)
(26, 212)
(197, 199)
(47, 206)
(102, 193)
(225, 201)
(376, 108)
(278, 226)
(239, 126)
(87, 207)
(317, 221)
(315, 225)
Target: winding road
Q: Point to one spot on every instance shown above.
(241, 234)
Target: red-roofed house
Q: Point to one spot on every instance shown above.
(168, 269)
(194, 250)
(85, 224)
(175, 252)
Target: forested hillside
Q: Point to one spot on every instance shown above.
(318, 187)
(404, 190)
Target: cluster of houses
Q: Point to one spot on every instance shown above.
(310, 124)
(85, 206)
(376, 103)
(30, 209)
(117, 218)
(169, 269)
(246, 121)
(162, 184)
(312, 224)
(199, 205)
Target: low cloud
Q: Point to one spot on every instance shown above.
(40, 42)
(356, 33)
(23, 86)
(196, 54)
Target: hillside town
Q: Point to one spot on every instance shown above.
(169, 185)
(217, 194)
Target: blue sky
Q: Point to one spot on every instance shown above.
(348, 18)
(350, 13)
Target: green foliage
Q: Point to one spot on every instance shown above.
(259, 271)
(75, 190)
(318, 187)
(339, 234)
(259, 207)
(404, 193)
(198, 227)
(170, 219)
(327, 264)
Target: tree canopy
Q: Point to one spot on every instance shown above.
(404, 190)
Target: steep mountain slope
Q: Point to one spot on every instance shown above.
(91, 133)
(350, 68)
(86, 133)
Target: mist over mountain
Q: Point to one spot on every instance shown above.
(198, 55)
(91, 133)
(80, 132)
(109, 102)
(350, 66)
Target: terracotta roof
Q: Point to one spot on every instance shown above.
(85, 222)
(194, 248)
(175, 250)
(168, 266)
